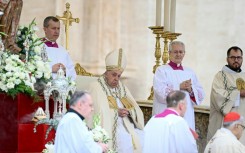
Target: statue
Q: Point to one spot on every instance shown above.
(9, 22)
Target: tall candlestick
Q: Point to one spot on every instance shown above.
(158, 12)
(172, 16)
(166, 15)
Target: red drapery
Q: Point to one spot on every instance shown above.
(16, 130)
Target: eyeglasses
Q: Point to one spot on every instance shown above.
(236, 57)
(177, 51)
(243, 127)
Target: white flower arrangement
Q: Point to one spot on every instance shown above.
(19, 76)
(14, 76)
(32, 48)
(28, 41)
(49, 148)
(100, 134)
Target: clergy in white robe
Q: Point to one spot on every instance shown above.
(57, 55)
(174, 76)
(120, 115)
(226, 138)
(228, 92)
(72, 135)
(168, 132)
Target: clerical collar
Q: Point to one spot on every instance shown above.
(166, 112)
(50, 43)
(175, 66)
(238, 70)
(70, 110)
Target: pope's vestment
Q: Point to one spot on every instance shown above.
(126, 132)
(168, 134)
(224, 142)
(225, 98)
(72, 136)
(167, 79)
(60, 55)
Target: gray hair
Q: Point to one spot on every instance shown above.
(176, 43)
(230, 124)
(78, 95)
(174, 97)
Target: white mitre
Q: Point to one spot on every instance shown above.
(116, 60)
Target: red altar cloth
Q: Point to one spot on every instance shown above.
(14, 113)
(28, 141)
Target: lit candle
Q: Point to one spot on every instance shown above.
(172, 16)
(166, 15)
(158, 12)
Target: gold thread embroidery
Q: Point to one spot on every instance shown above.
(112, 102)
(240, 83)
(120, 58)
(126, 103)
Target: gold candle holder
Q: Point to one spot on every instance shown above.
(157, 30)
(167, 36)
(173, 36)
(164, 35)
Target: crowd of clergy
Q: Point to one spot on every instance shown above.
(176, 91)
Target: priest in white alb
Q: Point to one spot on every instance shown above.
(168, 132)
(174, 76)
(120, 114)
(57, 55)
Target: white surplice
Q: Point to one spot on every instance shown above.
(224, 141)
(169, 134)
(72, 136)
(60, 55)
(166, 79)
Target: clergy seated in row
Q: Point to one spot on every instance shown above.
(168, 132)
(227, 138)
(120, 114)
(57, 55)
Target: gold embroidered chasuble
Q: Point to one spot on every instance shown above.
(224, 98)
(105, 104)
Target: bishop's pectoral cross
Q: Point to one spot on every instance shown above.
(67, 20)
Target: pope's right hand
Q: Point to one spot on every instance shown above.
(122, 112)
